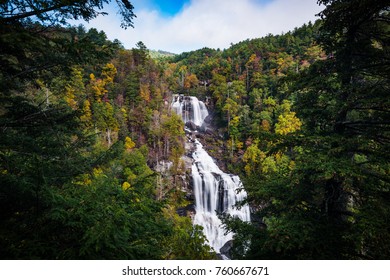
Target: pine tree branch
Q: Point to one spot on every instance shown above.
(35, 12)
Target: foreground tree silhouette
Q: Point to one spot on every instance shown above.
(60, 11)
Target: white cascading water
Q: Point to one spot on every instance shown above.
(215, 191)
(190, 109)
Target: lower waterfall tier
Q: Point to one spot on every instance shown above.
(215, 192)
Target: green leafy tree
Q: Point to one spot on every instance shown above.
(187, 241)
(43, 149)
(43, 145)
(333, 203)
(108, 213)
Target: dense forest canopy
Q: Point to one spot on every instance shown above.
(302, 117)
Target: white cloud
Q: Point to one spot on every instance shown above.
(210, 23)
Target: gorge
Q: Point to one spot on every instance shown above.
(95, 165)
(215, 191)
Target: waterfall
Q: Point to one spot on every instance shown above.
(190, 109)
(215, 191)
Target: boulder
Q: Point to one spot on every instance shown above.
(191, 125)
(190, 197)
(181, 212)
(226, 249)
(208, 119)
(189, 210)
(200, 135)
(203, 127)
(209, 131)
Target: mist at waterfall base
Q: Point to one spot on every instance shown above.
(215, 191)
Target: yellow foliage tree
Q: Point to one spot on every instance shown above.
(287, 123)
(86, 117)
(145, 92)
(108, 73)
(190, 81)
(126, 186)
(129, 143)
(97, 87)
(265, 125)
(70, 98)
(253, 156)
(258, 161)
(75, 88)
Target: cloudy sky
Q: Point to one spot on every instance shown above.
(185, 25)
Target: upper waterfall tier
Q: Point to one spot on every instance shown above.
(190, 109)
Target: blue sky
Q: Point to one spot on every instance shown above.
(168, 7)
(185, 25)
(172, 7)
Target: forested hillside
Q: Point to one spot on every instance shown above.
(82, 122)
(87, 126)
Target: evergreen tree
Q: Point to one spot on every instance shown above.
(333, 203)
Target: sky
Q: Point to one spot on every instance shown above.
(185, 25)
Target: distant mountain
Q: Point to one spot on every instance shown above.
(160, 54)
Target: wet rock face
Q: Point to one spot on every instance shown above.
(226, 249)
(210, 132)
(189, 210)
(208, 119)
(191, 126)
